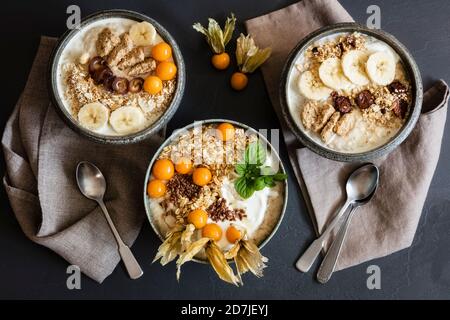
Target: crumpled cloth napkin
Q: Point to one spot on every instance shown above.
(388, 223)
(41, 155)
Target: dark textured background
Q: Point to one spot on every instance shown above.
(28, 270)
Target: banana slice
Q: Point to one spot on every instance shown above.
(93, 115)
(354, 66)
(331, 74)
(381, 68)
(142, 33)
(312, 88)
(127, 119)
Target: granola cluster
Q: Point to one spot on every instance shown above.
(335, 48)
(81, 90)
(202, 146)
(390, 107)
(183, 196)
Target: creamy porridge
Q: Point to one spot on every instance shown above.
(116, 76)
(215, 194)
(349, 92)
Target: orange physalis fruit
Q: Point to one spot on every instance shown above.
(183, 166)
(226, 131)
(153, 85)
(161, 52)
(233, 234)
(201, 176)
(166, 70)
(239, 81)
(221, 61)
(156, 188)
(212, 231)
(198, 218)
(163, 169)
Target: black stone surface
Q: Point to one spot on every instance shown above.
(28, 270)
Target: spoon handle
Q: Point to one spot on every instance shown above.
(131, 264)
(309, 256)
(328, 265)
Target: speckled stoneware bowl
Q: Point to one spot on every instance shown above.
(410, 67)
(126, 139)
(173, 138)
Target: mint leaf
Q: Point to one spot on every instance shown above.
(255, 154)
(253, 171)
(244, 187)
(280, 177)
(254, 177)
(259, 183)
(268, 180)
(241, 169)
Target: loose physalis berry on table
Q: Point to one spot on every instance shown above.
(238, 81)
(248, 57)
(221, 61)
(218, 39)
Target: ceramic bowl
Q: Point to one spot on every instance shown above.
(410, 67)
(173, 138)
(55, 95)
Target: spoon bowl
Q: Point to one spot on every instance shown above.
(91, 181)
(362, 183)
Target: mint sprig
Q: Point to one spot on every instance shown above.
(253, 176)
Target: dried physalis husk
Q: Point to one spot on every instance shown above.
(250, 259)
(230, 254)
(215, 36)
(186, 236)
(248, 56)
(247, 257)
(171, 247)
(220, 264)
(190, 253)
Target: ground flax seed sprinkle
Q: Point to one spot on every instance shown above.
(219, 211)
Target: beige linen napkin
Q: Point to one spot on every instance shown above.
(41, 155)
(388, 223)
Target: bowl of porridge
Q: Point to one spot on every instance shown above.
(350, 93)
(215, 192)
(118, 78)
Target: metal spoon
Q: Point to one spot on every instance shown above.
(359, 186)
(328, 265)
(92, 185)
